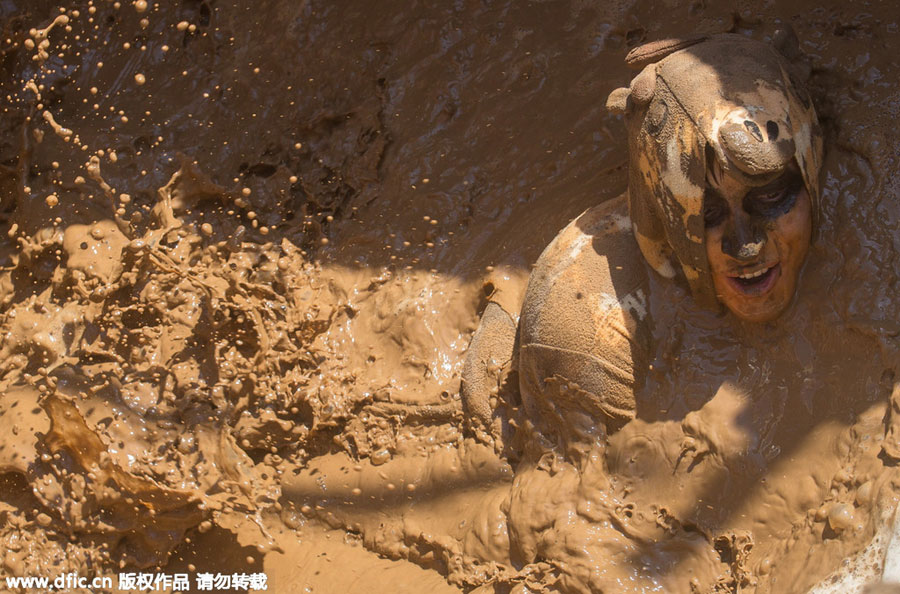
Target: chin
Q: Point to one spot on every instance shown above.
(758, 309)
(757, 315)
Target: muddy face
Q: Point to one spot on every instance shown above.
(756, 241)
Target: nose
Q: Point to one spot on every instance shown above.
(744, 239)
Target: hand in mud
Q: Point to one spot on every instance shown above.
(717, 428)
(692, 451)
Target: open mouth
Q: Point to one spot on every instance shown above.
(757, 282)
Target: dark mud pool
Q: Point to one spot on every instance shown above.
(246, 245)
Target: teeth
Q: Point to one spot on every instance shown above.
(754, 274)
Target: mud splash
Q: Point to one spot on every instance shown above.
(245, 261)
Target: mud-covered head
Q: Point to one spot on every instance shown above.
(704, 112)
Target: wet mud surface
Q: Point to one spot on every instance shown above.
(246, 247)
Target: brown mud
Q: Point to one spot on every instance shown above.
(248, 244)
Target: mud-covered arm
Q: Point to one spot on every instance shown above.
(490, 355)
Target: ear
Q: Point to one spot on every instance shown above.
(788, 45)
(786, 42)
(655, 51)
(643, 86)
(617, 102)
(639, 93)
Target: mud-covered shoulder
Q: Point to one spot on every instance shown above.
(585, 328)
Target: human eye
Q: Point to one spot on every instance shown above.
(770, 199)
(775, 201)
(715, 210)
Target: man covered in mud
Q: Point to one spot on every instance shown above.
(724, 157)
(725, 152)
